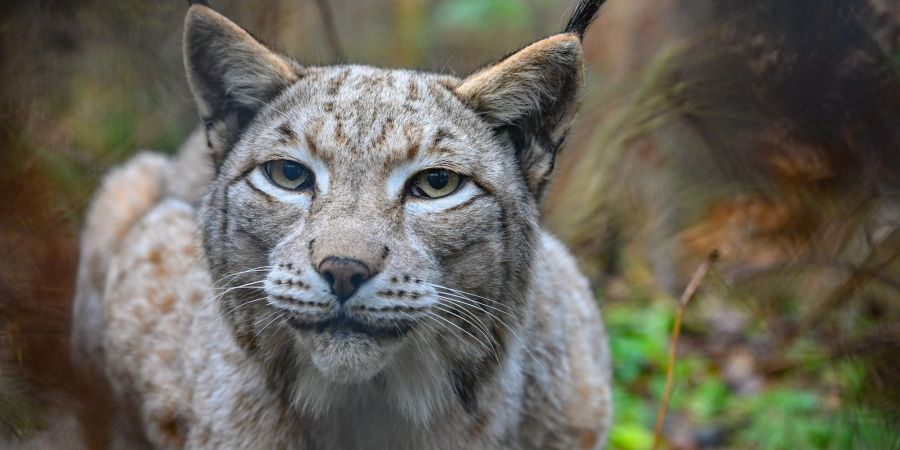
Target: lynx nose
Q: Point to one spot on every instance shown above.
(345, 275)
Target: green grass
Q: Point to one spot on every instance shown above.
(815, 407)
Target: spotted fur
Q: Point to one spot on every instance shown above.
(206, 307)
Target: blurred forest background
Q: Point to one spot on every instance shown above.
(768, 130)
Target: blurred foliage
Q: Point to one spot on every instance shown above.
(478, 15)
(819, 407)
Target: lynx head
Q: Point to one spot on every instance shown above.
(373, 224)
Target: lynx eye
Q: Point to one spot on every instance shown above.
(289, 175)
(435, 183)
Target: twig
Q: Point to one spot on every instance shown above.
(686, 297)
(334, 40)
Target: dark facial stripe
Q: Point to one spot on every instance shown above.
(311, 144)
(412, 151)
(385, 130)
(465, 203)
(287, 134)
(265, 194)
(504, 236)
(339, 135)
(281, 363)
(223, 213)
(440, 136)
(466, 378)
(254, 238)
(412, 91)
(464, 383)
(334, 85)
(442, 96)
(243, 175)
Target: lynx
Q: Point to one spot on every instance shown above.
(347, 257)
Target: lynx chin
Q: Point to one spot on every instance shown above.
(347, 257)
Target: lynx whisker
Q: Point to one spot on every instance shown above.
(250, 285)
(230, 276)
(492, 348)
(436, 326)
(445, 320)
(414, 333)
(472, 305)
(240, 305)
(275, 315)
(494, 304)
(502, 322)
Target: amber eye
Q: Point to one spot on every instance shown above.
(435, 183)
(289, 174)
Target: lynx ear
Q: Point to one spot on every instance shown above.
(531, 96)
(231, 74)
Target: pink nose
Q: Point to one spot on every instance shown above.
(345, 275)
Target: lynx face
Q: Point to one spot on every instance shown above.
(358, 193)
(367, 224)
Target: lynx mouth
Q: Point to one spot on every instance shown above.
(343, 323)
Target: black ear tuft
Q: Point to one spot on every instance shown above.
(585, 13)
(198, 2)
